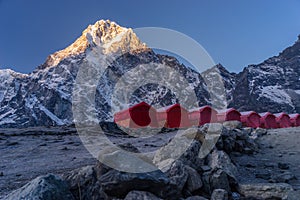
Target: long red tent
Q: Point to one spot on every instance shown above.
(283, 120)
(139, 115)
(202, 115)
(295, 119)
(229, 114)
(174, 116)
(250, 119)
(268, 120)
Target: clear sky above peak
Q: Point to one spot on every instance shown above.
(235, 33)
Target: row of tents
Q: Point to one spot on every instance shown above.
(176, 116)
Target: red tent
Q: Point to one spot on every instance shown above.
(283, 120)
(268, 120)
(295, 119)
(137, 116)
(250, 119)
(229, 114)
(202, 115)
(173, 116)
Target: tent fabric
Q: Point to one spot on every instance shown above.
(229, 114)
(250, 119)
(295, 119)
(268, 120)
(283, 120)
(174, 116)
(137, 116)
(202, 115)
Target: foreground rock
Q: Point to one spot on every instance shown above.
(204, 171)
(48, 187)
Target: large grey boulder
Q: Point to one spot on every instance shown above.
(84, 184)
(219, 194)
(49, 187)
(141, 195)
(194, 181)
(220, 160)
(119, 184)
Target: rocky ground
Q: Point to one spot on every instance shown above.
(242, 160)
(278, 159)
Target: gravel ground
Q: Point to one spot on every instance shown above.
(28, 153)
(279, 154)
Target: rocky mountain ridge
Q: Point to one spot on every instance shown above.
(44, 97)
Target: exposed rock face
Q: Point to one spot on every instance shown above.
(274, 84)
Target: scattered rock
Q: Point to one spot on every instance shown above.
(219, 194)
(294, 195)
(65, 148)
(265, 190)
(250, 165)
(283, 166)
(1, 174)
(47, 187)
(129, 147)
(141, 195)
(263, 175)
(235, 196)
(205, 168)
(12, 143)
(284, 177)
(269, 165)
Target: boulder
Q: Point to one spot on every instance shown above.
(49, 187)
(141, 195)
(266, 190)
(284, 177)
(194, 181)
(233, 125)
(178, 175)
(220, 180)
(220, 160)
(196, 198)
(83, 184)
(119, 184)
(219, 194)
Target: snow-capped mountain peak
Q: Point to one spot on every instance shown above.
(105, 34)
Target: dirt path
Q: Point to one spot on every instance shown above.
(278, 146)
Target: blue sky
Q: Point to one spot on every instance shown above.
(234, 32)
